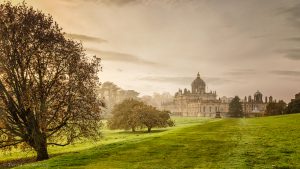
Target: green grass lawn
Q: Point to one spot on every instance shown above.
(271, 142)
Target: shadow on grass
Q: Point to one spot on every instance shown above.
(142, 131)
(21, 161)
(167, 151)
(27, 160)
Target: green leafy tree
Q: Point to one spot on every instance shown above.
(293, 106)
(235, 107)
(275, 108)
(133, 114)
(47, 84)
(166, 120)
(151, 117)
(126, 115)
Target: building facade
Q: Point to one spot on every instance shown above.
(195, 102)
(199, 102)
(256, 106)
(297, 96)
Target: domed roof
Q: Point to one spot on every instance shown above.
(198, 81)
(257, 93)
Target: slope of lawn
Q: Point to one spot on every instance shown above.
(16, 156)
(270, 142)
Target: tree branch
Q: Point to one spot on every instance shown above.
(12, 144)
(56, 144)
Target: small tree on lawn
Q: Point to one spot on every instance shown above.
(126, 115)
(149, 116)
(47, 84)
(235, 107)
(166, 120)
(132, 114)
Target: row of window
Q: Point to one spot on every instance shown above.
(203, 109)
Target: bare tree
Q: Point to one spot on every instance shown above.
(47, 84)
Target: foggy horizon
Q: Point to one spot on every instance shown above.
(149, 84)
(238, 47)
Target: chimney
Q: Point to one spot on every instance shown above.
(270, 99)
(266, 99)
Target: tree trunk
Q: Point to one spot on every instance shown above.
(133, 129)
(37, 139)
(149, 129)
(42, 152)
(40, 146)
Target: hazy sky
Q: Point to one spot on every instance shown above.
(238, 46)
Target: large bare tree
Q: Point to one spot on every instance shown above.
(47, 83)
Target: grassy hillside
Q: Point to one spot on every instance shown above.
(271, 142)
(17, 156)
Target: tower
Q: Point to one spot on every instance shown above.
(258, 97)
(266, 99)
(270, 99)
(198, 85)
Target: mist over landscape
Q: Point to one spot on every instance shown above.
(238, 47)
(149, 84)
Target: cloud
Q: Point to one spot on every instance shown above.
(106, 2)
(217, 80)
(292, 54)
(293, 14)
(121, 57)
(293, 39)
(260, 36)
(164, 79)
(286, 73)
(241, 72)
(117, 2)
(121, 3)
(184, 80)
(85, 38)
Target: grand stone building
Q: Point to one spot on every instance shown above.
(255, 107)
(195, 102)
(199, 102)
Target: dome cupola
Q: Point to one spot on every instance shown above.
(198, 85)
(258, 96)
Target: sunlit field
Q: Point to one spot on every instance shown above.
(270, 142)
(96, 84)
(9, 158)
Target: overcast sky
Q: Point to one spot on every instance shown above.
(238, 46)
